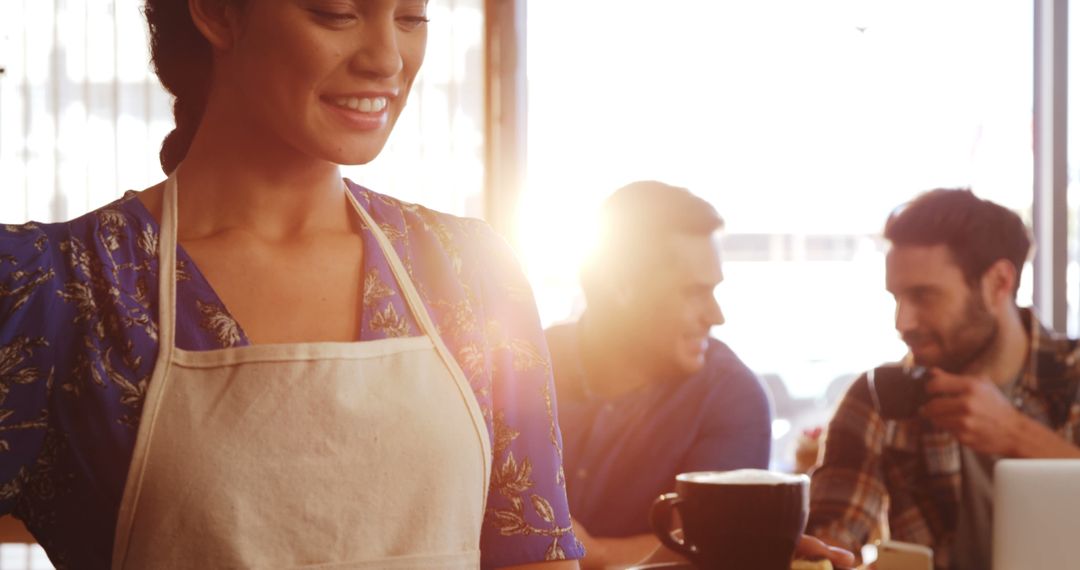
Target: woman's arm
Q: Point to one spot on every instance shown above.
(528, 518)
(28, 320)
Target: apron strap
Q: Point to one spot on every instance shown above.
(423, 317)
(167, 265)
(159, 378)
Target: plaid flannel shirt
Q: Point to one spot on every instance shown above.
(910, 470)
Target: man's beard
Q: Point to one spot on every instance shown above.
(965, 343)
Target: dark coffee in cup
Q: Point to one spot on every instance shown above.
(734, 520)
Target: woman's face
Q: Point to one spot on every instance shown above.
(326, 77)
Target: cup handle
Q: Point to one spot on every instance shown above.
(660, 519)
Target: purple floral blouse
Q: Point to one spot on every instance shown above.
(78, 343)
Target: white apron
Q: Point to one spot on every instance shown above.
(330, 455)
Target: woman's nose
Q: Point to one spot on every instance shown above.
(377, 52)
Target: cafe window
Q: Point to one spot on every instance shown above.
(1072, 177)
(804, 124)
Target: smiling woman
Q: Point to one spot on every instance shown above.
(264, 362)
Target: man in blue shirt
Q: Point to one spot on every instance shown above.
(644, 392)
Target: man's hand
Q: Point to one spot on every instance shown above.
(978, 414)
(975, 411)
(811, 548)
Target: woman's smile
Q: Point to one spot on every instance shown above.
(360, 111)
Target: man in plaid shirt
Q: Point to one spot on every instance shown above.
(1001, 386)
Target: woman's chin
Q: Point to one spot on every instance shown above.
(356, 155)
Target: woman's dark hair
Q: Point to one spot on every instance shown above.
(182, 60)
(977, 232)
(635, 222)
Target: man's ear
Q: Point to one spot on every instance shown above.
(217, 20)
(999, 283)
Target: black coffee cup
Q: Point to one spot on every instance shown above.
(898, 391)
(734, 520)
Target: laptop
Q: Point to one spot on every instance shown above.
(1036, 514)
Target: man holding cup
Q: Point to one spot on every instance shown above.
(983, 380)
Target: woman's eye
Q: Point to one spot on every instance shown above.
(334, 17)
(412, 22)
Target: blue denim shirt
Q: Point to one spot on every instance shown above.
(620, 454)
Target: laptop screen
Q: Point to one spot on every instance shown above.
(1036, 514)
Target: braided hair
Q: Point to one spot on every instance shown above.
(183, 61)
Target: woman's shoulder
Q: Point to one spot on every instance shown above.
(417, 230)
(404, 215)
(109, 225)
(45, 260)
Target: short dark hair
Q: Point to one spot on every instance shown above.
(977, 232)
(635, 219)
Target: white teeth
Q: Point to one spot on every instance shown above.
(362, 104)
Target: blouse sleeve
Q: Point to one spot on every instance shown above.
(527, 518)
(27, 296)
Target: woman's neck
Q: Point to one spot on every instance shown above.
(238, 178)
